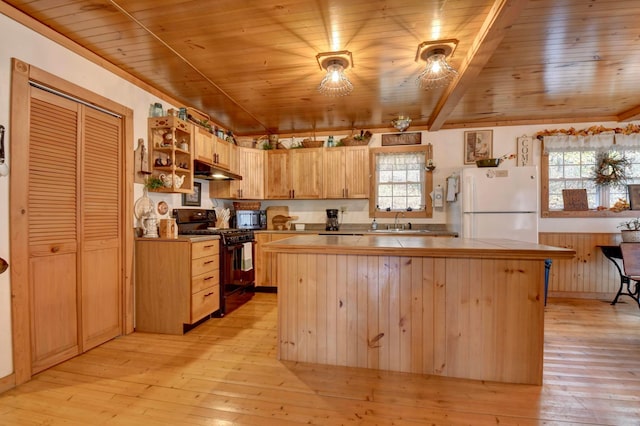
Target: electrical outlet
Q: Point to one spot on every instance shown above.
(343, 209)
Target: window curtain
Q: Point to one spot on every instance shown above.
(601, 142)
(405, 161)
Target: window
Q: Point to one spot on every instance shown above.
(569, 162)
(401, 182)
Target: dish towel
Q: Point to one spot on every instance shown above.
(247, 256)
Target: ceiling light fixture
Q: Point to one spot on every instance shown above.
(438, 72)
(335, 82)
(401, 123)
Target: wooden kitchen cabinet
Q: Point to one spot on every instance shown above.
(346, 172)
(171, 147)
(278, 174)
(266, 262)
(251, 168)
(203, 145)
(221, 153)
(210, 149)
(177, 283)
(306, 172)
(294, 173)
(248, 163)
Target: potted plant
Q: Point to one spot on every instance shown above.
(631, 230)
(153, 182)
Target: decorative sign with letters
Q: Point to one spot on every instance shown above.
(575, 199)
(525, 151)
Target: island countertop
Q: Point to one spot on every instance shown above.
(404, 245)
(468, 308)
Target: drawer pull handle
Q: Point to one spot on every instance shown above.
(208, 294)
(208, 278)
(208, 261)
(55, 249)
(209, 246)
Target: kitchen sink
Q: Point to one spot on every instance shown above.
(399, 231)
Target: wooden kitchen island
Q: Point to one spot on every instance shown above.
(468, 308)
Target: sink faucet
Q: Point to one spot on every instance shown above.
(395, 222)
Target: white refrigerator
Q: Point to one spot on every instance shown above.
(500, 203)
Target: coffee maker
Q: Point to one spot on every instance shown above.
(332, 220)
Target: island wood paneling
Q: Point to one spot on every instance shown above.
(589, 274)
(472, 318)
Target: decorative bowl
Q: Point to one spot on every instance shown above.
(488, 162)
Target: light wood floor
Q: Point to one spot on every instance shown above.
(225, 372)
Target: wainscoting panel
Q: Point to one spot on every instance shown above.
(589, 274)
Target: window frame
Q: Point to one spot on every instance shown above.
(427, 189)
(544, 198)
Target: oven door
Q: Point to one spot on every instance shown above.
(237, 275)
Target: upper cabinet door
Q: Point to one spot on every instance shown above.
(222, 153)
(306, 172)
(251, 168)
(203, 141)
(357, 171)
(279, 174)
(334, 185)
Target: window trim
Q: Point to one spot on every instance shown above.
(544, 199)
(428, 182)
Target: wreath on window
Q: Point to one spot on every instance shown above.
(610, 169)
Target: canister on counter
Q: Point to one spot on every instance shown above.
(168, 228)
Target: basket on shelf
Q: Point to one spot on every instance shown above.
(246, 205)
(308, 143)
(357, 140)
(246, 142)
(354, 142)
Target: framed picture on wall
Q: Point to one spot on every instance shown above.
(194, 198)
(478, 145)
(634, 196)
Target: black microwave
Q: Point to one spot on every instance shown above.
(251, 219)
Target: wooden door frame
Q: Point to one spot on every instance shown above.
(21, 74)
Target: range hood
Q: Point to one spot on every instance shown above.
(208, 172)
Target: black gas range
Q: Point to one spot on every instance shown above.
(237, 251)
(203, 222)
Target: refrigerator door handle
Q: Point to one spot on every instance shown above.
(468, 190)
(467, 226)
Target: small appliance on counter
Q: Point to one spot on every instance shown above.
(250, 219)
(332, 220)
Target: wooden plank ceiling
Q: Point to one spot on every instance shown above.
(251, 64)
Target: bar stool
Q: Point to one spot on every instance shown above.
(631, 264)
(547, 267)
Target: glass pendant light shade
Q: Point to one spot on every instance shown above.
(335, 83)
(438, 72)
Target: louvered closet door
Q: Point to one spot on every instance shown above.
(74, 192)
(100, 231)
(52, 229)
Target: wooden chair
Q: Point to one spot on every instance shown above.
(631, 265)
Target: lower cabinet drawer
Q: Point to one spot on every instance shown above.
(208, 279)
(205, 302)
(205, 248)
(205, 264)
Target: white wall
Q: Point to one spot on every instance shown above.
(22, 43)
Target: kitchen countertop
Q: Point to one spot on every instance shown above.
(428, 230)
(190, 238)
(402, 245)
